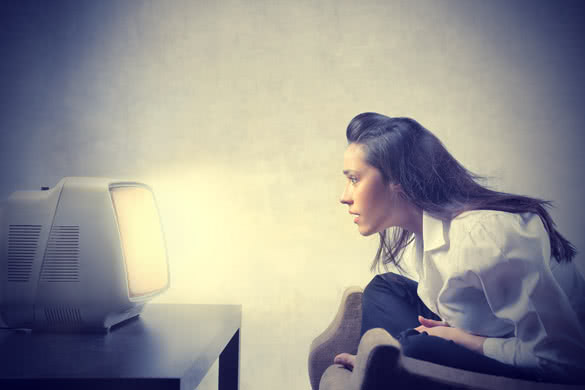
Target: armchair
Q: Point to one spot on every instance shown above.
(381, 365)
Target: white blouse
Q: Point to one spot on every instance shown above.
(490, 273)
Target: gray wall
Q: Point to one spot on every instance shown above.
(235, 113)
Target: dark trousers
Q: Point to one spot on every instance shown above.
(390, 302)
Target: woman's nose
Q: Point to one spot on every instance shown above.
(345, 198)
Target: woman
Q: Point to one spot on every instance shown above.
(497, 290)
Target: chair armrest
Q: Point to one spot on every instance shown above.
(378, 366)
(342, 335)
(377, 361)
(336, 377)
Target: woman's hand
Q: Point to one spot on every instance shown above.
(443, 330)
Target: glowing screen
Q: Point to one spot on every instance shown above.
(142, 240)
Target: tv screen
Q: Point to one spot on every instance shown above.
(84, 255)
(141, 239)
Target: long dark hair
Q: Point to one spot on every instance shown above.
(407, 153)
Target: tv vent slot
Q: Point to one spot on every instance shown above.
(61, 263)
(23, 241)
(62, 316)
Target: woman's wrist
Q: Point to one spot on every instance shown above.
(474, 342)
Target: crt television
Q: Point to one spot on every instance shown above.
(84, 255)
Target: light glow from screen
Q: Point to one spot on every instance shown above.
(142, 240)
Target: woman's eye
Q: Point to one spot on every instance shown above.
(354, 180)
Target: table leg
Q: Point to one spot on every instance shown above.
(229, 364)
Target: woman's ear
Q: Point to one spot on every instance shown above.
(396, 187)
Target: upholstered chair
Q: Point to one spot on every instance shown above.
(381, 365)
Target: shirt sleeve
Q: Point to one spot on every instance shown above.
(510, 257)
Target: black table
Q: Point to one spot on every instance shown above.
(169, 346)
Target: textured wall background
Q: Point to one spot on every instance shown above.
(235, 113)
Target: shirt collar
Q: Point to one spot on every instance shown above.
(435, 232)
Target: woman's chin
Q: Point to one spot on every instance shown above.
(364, 231)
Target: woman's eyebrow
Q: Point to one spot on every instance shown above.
(349, 172)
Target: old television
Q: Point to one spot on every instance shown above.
(84, 255)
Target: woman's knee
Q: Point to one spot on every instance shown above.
(387, 303)
(389, 284)
(374, 287)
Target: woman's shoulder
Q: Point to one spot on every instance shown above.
(484, 240)
(495, 218)
(500, 227)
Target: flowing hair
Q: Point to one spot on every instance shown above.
(434, 181)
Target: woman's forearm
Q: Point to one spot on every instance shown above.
(471, 341)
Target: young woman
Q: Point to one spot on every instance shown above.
(496, 291)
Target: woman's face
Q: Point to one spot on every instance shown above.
(374, 204)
